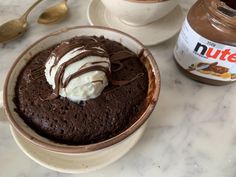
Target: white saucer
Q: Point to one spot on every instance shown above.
(150, 34)
(74, 163)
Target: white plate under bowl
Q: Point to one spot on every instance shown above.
(151, 34)
(76, 163)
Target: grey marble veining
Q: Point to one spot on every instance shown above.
(193, 132)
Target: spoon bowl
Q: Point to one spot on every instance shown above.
(15, 28)
(12, 29)
(54, 14)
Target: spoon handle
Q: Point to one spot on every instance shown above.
(25, 15)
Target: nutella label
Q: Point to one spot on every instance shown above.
(204, 57)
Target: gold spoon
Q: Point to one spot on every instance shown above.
(54, 14)
(14, 28)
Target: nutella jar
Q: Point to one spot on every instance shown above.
(206, 47)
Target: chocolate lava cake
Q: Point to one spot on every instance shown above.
(86, 122)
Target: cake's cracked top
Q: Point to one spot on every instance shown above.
(81, 91)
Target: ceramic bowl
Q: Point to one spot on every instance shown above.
(97, 150)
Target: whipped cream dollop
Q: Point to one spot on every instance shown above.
(79, 70)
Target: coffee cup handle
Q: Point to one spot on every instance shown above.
(2, 111)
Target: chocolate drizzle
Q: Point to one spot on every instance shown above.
(60, 72)
(117, 57)
(86, 70)
(121, 55)
(84, 43)
(36, 73)
(89, 46)
(125, 82)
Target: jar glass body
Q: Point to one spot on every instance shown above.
(213, 22)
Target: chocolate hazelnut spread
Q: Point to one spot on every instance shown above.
(230, 3)
(206, 47)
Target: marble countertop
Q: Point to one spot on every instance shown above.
(193, 132)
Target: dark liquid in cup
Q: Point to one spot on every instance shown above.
(230, 3)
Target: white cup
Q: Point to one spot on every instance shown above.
(140, 12)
